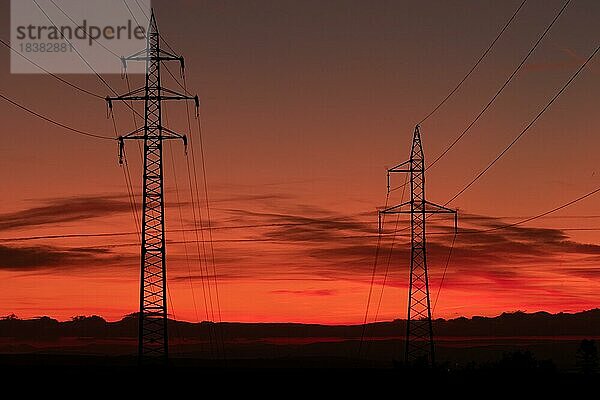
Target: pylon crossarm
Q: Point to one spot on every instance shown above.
(401, 167)
(173, 135)
(179, 96)
(166, 56)
(134, 57)
(143, 56)
(396, 209)
(133, 134)
(126, 96)
(397, 168)
(144, 97)
(437, 209)
(133, 137)
(391, 210)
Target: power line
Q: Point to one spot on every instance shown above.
(185, 248)
(51, 73)
(131, 13)
(63, 81)
(387, 267)
(180, 212)
(128, 184)
(541, 215)
(538, 216)
(389, 258)
(437, 296)
(107, 234)
(175, 79)
(142, 10)
(85, 32)
(485, 53)
(126, 169)
(203, 265)
(75, 49)
(391, 233)
(208, 215)
(493, 99)
(47, 119)
(131, 194)
(497, 94)
(81, 56)
(268, 240)
(372, 283)
(531, 123)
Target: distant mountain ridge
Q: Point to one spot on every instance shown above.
(516, 324)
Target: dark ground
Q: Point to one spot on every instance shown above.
(511, 347)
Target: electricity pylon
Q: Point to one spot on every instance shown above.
(153, 342)
(419, 331)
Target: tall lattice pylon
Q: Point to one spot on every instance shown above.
(419, 332)
(153, 339)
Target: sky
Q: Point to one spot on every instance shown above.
(304, 105)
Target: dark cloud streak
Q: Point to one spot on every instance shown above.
(61, 210)
(36, 258)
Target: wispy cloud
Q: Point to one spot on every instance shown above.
(35, 258)
(61, 210)
(346, 245)
(287, 240)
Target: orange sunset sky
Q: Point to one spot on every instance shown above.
(304, 106)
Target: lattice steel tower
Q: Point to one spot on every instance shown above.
(153, 340)
(419, 332)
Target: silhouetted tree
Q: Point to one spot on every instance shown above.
(587, 357)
